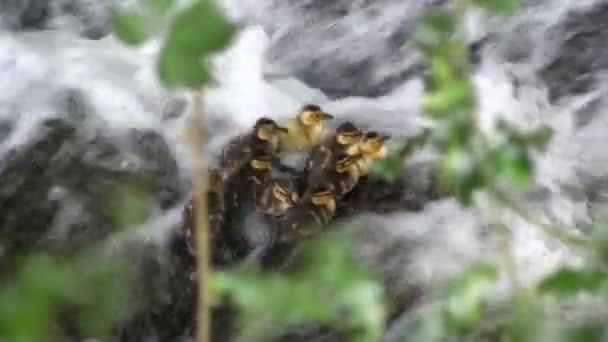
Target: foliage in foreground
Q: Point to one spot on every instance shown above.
(332, 288)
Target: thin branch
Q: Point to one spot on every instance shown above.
(506, 251)
(197, 141)
(552, 230)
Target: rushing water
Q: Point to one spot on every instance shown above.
(119, 81)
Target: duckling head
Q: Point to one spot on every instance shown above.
(348, 134)
(373, 143)
(283, 190)
(323, 194)
(267, 129)
(261, 159)
(214, 180)
(345, 162)
(313, 115)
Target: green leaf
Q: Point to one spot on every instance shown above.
(499, 5)
(567, 282)
(132, 29)
(387, 169)
(512, 160)
(442, 71)
(324, 284)
(527, 320)
(449, 98)
(176, 69)
(600, 237)
(461, 173)
(434, 28)
(159, 6)
(465, 294)
(200, 30)
(586, 332)
(540, 138)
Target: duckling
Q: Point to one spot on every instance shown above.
(216, 209)
(275, 197)
(345, 175)
(256, 173)
(239, 191)
(266, 134)
(310, 215)
(305, 130)
(322, 156)
(371, 148)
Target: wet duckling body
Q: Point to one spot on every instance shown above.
(275, 197)
(311, 214)
(372, 148)
(305, 130)
(323, 156)
(345, 175)
(266, 135)
(255, 174)
(240, 201)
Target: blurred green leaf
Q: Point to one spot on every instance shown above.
(600, 239)
(465, 294)
(326, 286)
(434, 28)
(131, 28)
(499, 5)
(586, 332)
(159, 6)
(461, 174)
(199, 30)
(443, 73)
(387, 169)
(129, 203)
(28, 305)
(176, 69)
(526, 321)
(540, 138)
(512, 160)
(567, 282)
(449, 98)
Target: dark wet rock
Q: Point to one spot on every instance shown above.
(346, 48)
(21, 14)
(580, 59)
(5, 129)
(90, 18)
(59, 191)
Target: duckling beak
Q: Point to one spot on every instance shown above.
(385, 137)
(326, 116)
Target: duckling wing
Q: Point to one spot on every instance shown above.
(235, 155)
(320, 156)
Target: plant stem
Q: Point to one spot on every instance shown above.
(197, 141)
(550, 229)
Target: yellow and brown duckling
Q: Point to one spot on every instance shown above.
(372, 148)
(266, 135)
(254, 174)
(216, 209)
(275, 197)
(322, 157)
(345, 175)
(305, 130)
(311, 214)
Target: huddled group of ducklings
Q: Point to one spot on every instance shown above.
(299, 206)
